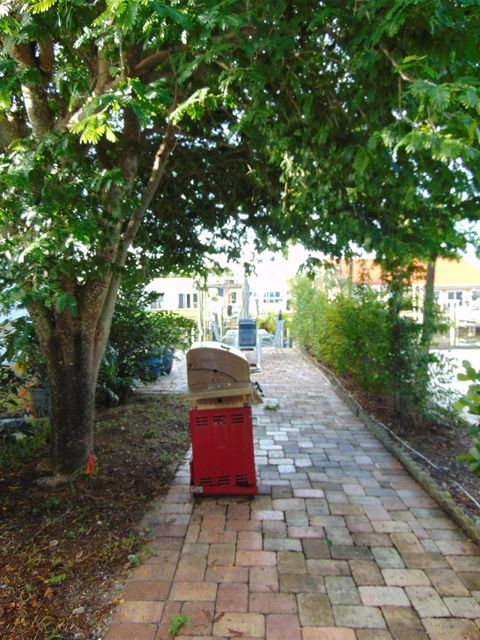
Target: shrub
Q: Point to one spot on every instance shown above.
(471, 401)
(369, 337)
(137, 336)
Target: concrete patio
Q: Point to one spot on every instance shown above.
(342, 543)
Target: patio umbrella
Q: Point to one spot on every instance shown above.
(245, 299)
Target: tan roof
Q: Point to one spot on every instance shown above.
(447, 272)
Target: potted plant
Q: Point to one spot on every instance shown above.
(24, 354)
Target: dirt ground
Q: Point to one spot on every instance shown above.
(64, 551)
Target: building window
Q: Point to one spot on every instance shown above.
(184, 300)
(188, 300)
(233, 297)
(271, 297)
(455, 297)
(156, 304)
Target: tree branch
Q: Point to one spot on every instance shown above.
(130, 147)
(46, 57)
(34, 94)
(11, 128)
(397, 66)
(158, 168)
(154, 58)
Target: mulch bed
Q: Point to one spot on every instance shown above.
(436, 441)
(64, 551)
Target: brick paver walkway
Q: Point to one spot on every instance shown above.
(342, 544)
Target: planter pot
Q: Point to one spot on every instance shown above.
(40, 402)
(157, 366)
(167, 361)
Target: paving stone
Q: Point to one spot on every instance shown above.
(233, 597)
(226, 574)
(404, 624)
(272, 603)
(264, 579)
(406, 542)
(328, 633)
(342, 590)
(154, 571)
(249, 541)
(447, 583)
(464, 563)
(291, 562)
(405, 577)
(245, 524)
(283, 627)
(191, 567)
(315, 549)
(314, 610)
(296, 518)
(470, 580)
(289, 504)
(301, 583)
(372, 539)
(282, 544)
(256, 559)
(358, 617)
(200, 618)
(427, 602)
(338, 535)
(383, 596)
(210, 536)
(463, 607)
(387, 558)
(309, 493)
(328, 567)
(458, 548)
(391, 526)
(144, 611)
(274, 529)
(131, 631)
(346, 552)
(450, 629)
(221, 554)
(146, 590)
(373, 634)
(234, 625)
(306, 532)
(187, 591)
(425, 561)
(358, 524)
(196, 549)
(366, 573)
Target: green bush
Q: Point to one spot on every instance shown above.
(136, 336)
(267, 322)
(471, 401)
(349, 333)
(367, 336)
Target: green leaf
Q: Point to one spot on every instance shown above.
(66, 302)
(361, 161)
(40, 6)
(166, 11)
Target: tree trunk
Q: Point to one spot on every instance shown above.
(429, 305)
(72, 381)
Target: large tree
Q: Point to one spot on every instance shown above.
(138, 130)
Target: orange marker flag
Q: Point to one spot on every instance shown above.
(90, 465)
